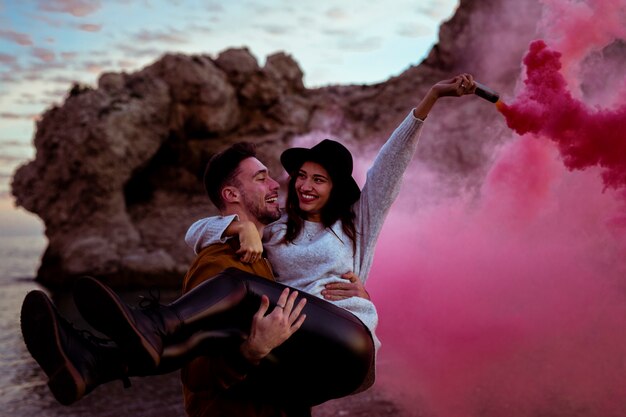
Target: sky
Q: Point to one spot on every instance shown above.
(46, 45)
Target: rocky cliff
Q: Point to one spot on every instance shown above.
(117, 173)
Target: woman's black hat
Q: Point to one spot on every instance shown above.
(334, 157)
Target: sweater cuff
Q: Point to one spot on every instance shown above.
(412, 115)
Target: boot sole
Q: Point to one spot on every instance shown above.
(104, 310)
(40, 329)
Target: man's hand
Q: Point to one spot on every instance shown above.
(342, 290)
(250, 245)
(270, 331)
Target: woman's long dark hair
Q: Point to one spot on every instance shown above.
(337, 208)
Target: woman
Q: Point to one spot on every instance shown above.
(330, 227)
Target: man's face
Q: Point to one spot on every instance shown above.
(259, 191)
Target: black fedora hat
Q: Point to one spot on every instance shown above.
(334, 157)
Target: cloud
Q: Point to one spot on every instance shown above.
(18, 116)
(33, 76)
(6, 77)
(139, 52)
(19, 38)
(25, 99)
(336, 13)
(171, 36)
(11, 160)
(56, 23)
(196, 28)
(59, 79)
(214, 7)
(9, 60)
(126, 64)
(437, 10)
(43, 54)
(361, 45)
(413, 30)
(55, 94)
(13, 143)
(275, 29)
(68, 55)
(97, 67)
(259, 9)
(89, 27)
(77, 8)
(47, 66)
(339, 32)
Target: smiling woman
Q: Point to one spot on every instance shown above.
(313, 185)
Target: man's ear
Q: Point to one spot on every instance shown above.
(230, 194)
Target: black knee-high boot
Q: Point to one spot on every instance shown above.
(75, 361)
(328, 357)
(144, 332)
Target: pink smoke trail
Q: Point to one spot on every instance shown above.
(585, 137)
(576, 28)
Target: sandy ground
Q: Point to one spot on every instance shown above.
(372, 403)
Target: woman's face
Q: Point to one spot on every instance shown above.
(313, 185)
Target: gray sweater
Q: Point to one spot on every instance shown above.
(318, 257)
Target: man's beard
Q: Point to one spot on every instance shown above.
(263, 214)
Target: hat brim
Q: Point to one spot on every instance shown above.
(293, 158)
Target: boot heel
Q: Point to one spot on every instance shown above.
(67, 385)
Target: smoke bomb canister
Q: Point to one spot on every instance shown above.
(486, 93)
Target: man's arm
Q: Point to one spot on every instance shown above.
(218, 229)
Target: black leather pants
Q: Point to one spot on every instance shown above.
(328, 357)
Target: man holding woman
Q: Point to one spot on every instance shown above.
(315, 352)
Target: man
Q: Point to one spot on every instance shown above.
(222, 384)
(238, 183)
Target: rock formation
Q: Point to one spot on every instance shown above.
(117, 174)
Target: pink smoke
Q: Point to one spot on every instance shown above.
(576, 28)
(585, 137)
(512, 302)
(507, 305)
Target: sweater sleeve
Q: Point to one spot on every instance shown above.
(383, 182)
(208, 231)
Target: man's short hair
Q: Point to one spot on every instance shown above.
(222, 169)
